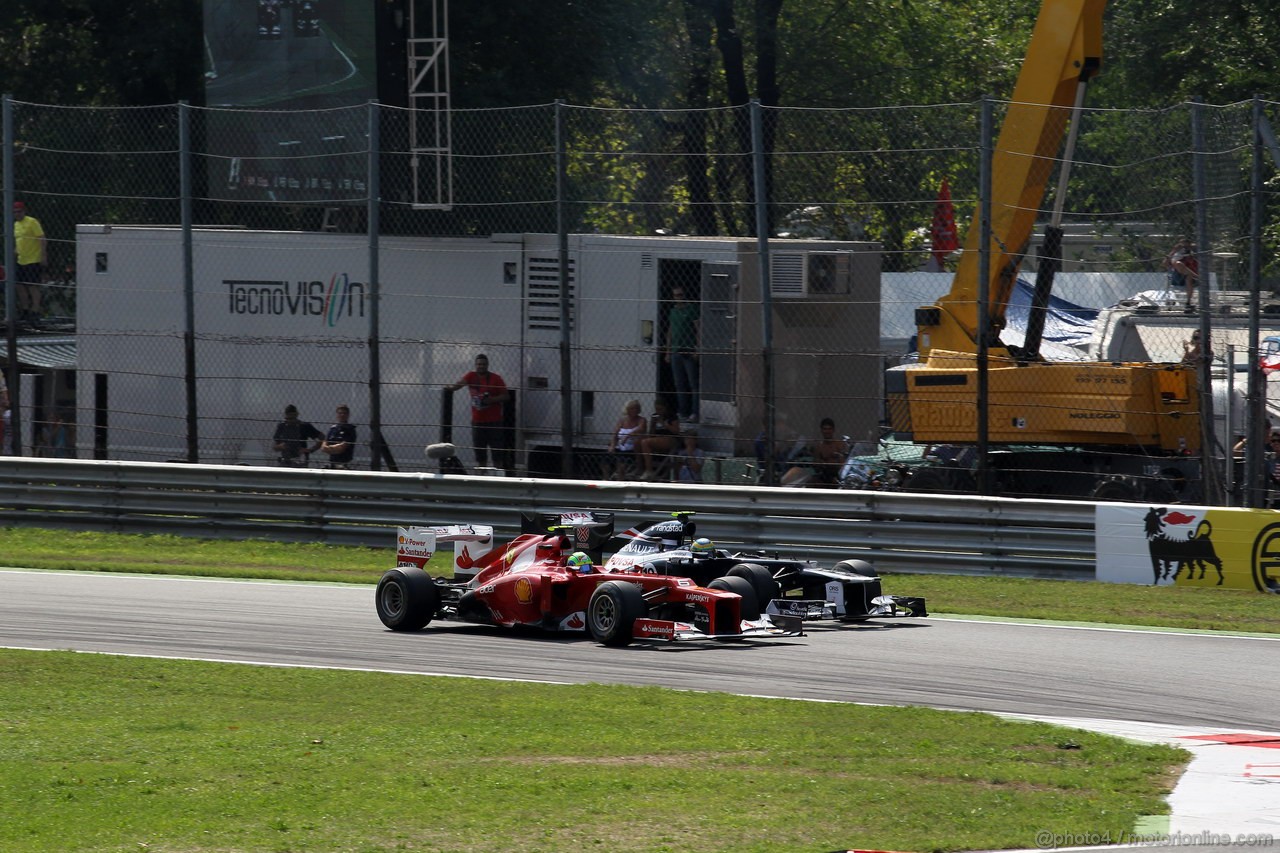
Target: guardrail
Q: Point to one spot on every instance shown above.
(895, 532)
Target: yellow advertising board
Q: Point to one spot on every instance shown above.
(1188, 546)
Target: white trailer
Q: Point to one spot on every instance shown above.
(286, 317)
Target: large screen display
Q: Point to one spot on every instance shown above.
(286, 81)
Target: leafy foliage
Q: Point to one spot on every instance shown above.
(675, 53)
(96, 52)
(698, 62)
(1219, 51)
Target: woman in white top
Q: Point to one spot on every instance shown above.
(631, 427)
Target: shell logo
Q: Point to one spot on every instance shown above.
(524, 590)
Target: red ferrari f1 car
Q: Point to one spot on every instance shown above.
(849, 591)
(537, 580)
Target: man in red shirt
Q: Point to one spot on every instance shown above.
(488, 394)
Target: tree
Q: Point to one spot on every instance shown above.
(101, 52)
(1220, 51)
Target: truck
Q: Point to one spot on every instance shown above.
(283, 317)
(1106, 428)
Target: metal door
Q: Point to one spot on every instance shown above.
(719, 322)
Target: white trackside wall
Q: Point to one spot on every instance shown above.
(285, 317)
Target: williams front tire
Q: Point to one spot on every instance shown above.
(750, 603)
(761, 580)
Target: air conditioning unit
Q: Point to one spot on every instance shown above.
(803, 274)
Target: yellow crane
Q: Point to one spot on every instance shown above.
(1125, 414)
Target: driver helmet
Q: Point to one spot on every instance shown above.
(579, 561)
(703, 547)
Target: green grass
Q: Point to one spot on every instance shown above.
(36, 548)
(101, 753)
(1234, 610)
(1122, 604)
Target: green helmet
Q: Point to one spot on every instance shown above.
(702, 547)
(579, 561)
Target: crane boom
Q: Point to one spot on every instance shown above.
(1065, 52)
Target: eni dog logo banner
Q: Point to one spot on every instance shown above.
(1188, 546)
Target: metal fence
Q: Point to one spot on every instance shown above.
(899, 533)
(210, 266)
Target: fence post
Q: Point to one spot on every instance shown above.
(1255, 492)
(377, 444)
(766, 288)
(13, 439)
(566, 305)
(1209, 473)
(984, 294)
(188, 282)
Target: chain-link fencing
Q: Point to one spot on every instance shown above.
(755, 269)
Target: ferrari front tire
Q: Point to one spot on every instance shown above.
(406, 599)
(612, 612)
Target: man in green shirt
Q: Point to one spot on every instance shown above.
(682, 354)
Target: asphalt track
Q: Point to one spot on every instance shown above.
(1007, 667)
(1204, 682)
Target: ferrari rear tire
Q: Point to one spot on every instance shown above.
(612, 612)
(406, 599)
(735, 583)
(761, 580)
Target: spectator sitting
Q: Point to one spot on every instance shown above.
(55, 438)
(627, 434)
(340, 443)
(829, 454)
(664, 430)
(291, 437)
(1192, 352)
(1242, 440)
(692, 458)
(1184, 269)
(788, 445)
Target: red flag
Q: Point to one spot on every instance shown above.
(943, 231)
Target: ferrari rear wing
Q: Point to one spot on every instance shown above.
(416, 545)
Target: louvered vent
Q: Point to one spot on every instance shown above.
(800, 274)
(786, 274)
(542, 276)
